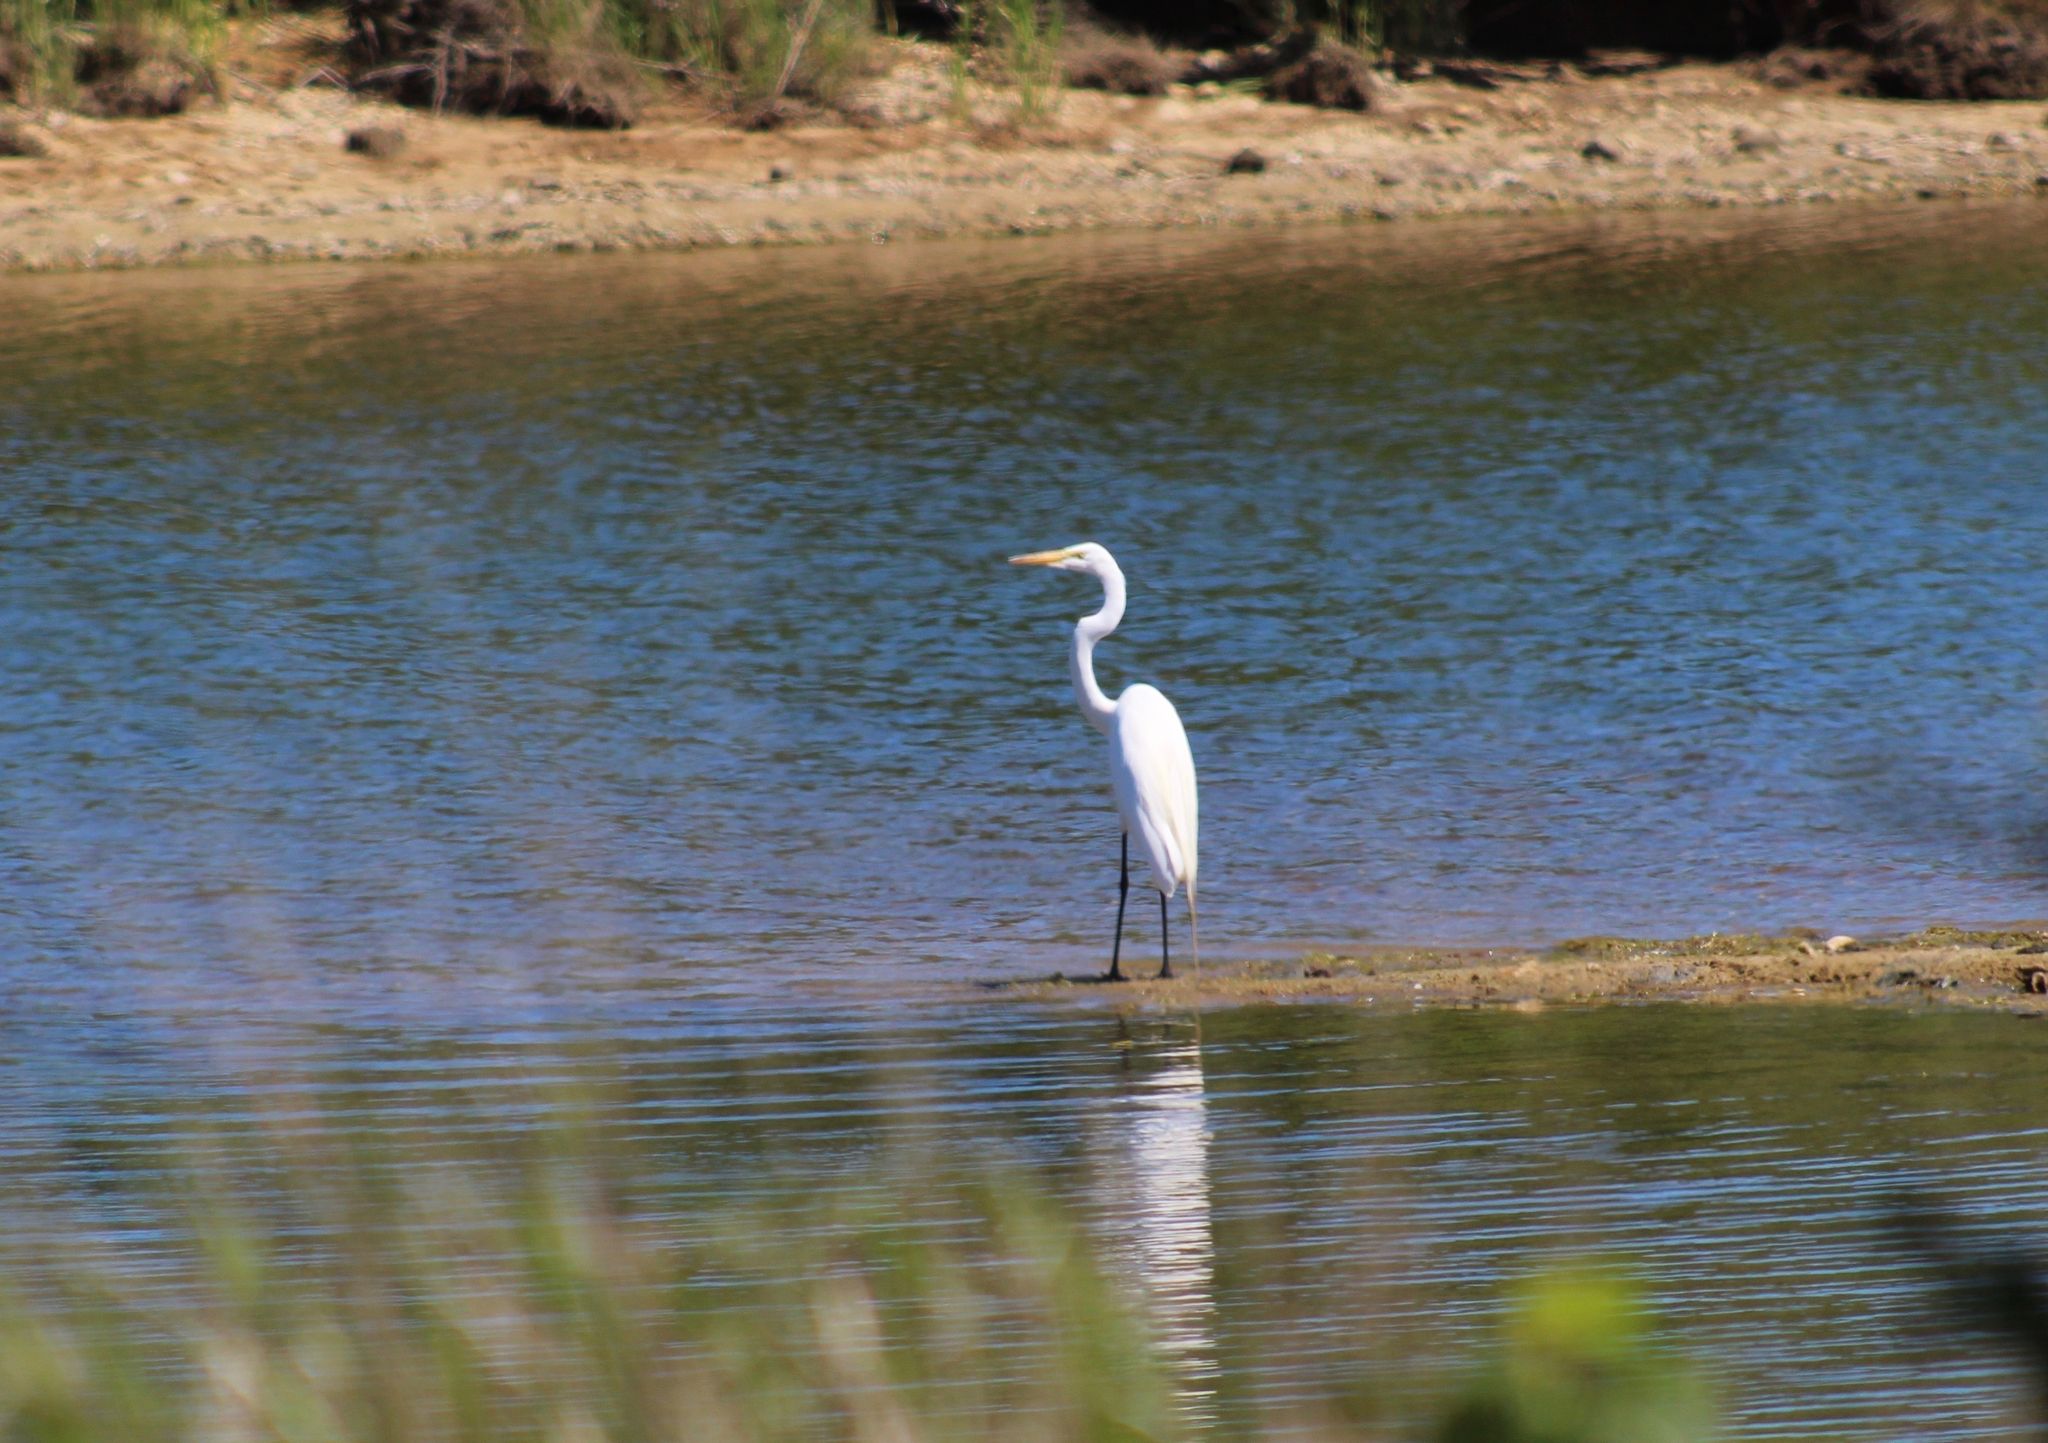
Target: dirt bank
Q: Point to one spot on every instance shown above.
(266, 174)
(1940, 966)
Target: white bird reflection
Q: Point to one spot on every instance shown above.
(1150, 1140)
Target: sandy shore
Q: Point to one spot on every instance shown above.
(264, 175)
(1944, 966)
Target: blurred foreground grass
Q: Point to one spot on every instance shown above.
(337, 1289)
(317, 1282)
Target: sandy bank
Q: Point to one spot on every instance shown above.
(266, 175)
(1941, 965)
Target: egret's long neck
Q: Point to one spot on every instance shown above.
(1098, 708)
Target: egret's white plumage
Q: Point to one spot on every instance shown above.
(1155, 783)
(1149, 761)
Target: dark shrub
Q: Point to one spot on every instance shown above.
(1120, 64)
(1333, 76)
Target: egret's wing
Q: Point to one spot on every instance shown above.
(1155, 783)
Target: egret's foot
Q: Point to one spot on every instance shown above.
(1113, 975)
(1165, 972)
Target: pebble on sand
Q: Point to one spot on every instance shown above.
(379, 142)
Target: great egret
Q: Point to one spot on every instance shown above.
(1149, 761)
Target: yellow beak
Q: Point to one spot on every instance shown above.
(1044, 558)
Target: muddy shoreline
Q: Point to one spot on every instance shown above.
(2003, 971)
(265, 175)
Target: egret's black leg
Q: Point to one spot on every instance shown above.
(1165, 962)
(1123, 893)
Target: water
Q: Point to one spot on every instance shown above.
(1557, 581)
(428, 669)
(1312, 1200)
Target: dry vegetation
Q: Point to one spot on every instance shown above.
(491, 56)
(1123, 64)
(1304, 66)
(593, 63)
(2003, 970)
(586, 63)
(1327, 74)
(120, 58)
(1960, 50)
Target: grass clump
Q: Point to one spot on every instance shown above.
(363, 1271)
(1331, 74)
(555, 59)
(1121, 64)
(35, 55)
(568, 62)
(110, 57)
(1961, 50)
(1579, 1362)
(334, 1287)
(1022, 39)
(583, 62)
(769, 51)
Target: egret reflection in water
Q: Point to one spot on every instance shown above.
(1151, 1141)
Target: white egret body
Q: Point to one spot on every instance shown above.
(1149, 761)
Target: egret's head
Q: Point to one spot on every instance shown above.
(1085, 557)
